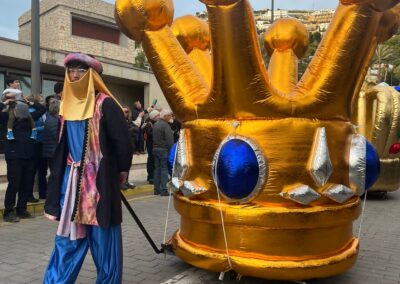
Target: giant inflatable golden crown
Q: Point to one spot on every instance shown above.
(268, 170)
(378, 118)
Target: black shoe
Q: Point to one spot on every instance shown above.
(130, 185)
(23, 214)
(10, 217)
(156, 192)
(33, 200)
(124, 187)
(164, 193)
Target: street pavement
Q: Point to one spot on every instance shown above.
(25, 248)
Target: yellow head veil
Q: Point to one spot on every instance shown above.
(78, 99)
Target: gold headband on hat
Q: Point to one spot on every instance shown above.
(78, 100)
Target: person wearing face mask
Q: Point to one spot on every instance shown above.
(92, 160)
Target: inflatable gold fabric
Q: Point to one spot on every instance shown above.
(267, 169)
(378, 118)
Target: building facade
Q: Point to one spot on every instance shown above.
(79, 25)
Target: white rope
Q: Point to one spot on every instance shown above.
(169, 198)
(362, 215)
(166, 219)
(222, 221)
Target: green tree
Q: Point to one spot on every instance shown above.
(141, 60)
(314, 41)
(264, 53)
(387, 60)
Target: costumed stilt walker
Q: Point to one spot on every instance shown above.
(93, 158)
(268, 169)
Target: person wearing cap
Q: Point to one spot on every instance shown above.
(163, 139)
(91, 161)
(14, 93)
(154, 116)
(19, 155)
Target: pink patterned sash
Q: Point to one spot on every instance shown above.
(66, 227)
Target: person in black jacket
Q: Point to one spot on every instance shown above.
(163, 139)
(50, 132)
(148, 137)
(19, 154)
(138, 111)
(92, 160)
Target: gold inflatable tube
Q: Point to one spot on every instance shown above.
(378, 118)
(286, 42)
(293, 225)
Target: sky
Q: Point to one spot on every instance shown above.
(10, 10)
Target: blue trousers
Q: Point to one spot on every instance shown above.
(106, 247)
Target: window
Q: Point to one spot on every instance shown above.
(95, 31)
(25, 83)
(2, 83)
(48, 87)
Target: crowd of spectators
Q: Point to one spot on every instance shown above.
(153, 131)
(33, 123)
(32, 127)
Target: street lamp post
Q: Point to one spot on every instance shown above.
(272, 11)
(35, 48)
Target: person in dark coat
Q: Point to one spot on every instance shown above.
(50, 132)
(133, 130)
(163, 139)
(138, 112)
(19, 154)
(148, 137)
(176, 126)
(92, 160)
(40, 162)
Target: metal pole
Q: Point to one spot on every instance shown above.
(141, 227)
(35, 48)
(272, 11)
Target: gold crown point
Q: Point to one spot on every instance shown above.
(134, 17)
(219, 2)
(378, 5)
(389, 24)
(191, 33)
(287, 34)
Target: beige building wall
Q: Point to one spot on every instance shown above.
(56, 28)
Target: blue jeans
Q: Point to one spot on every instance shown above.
(160, 169)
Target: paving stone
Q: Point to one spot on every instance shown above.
(25, 248)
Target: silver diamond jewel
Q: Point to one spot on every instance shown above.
(190, 188)
(357, 163)
(181, 162)
(320, 162)
(339, 193)
(302, 194)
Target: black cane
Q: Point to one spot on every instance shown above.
(142, 228)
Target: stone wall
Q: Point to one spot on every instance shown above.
(56, 25)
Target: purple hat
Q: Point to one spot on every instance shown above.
(85, 59)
